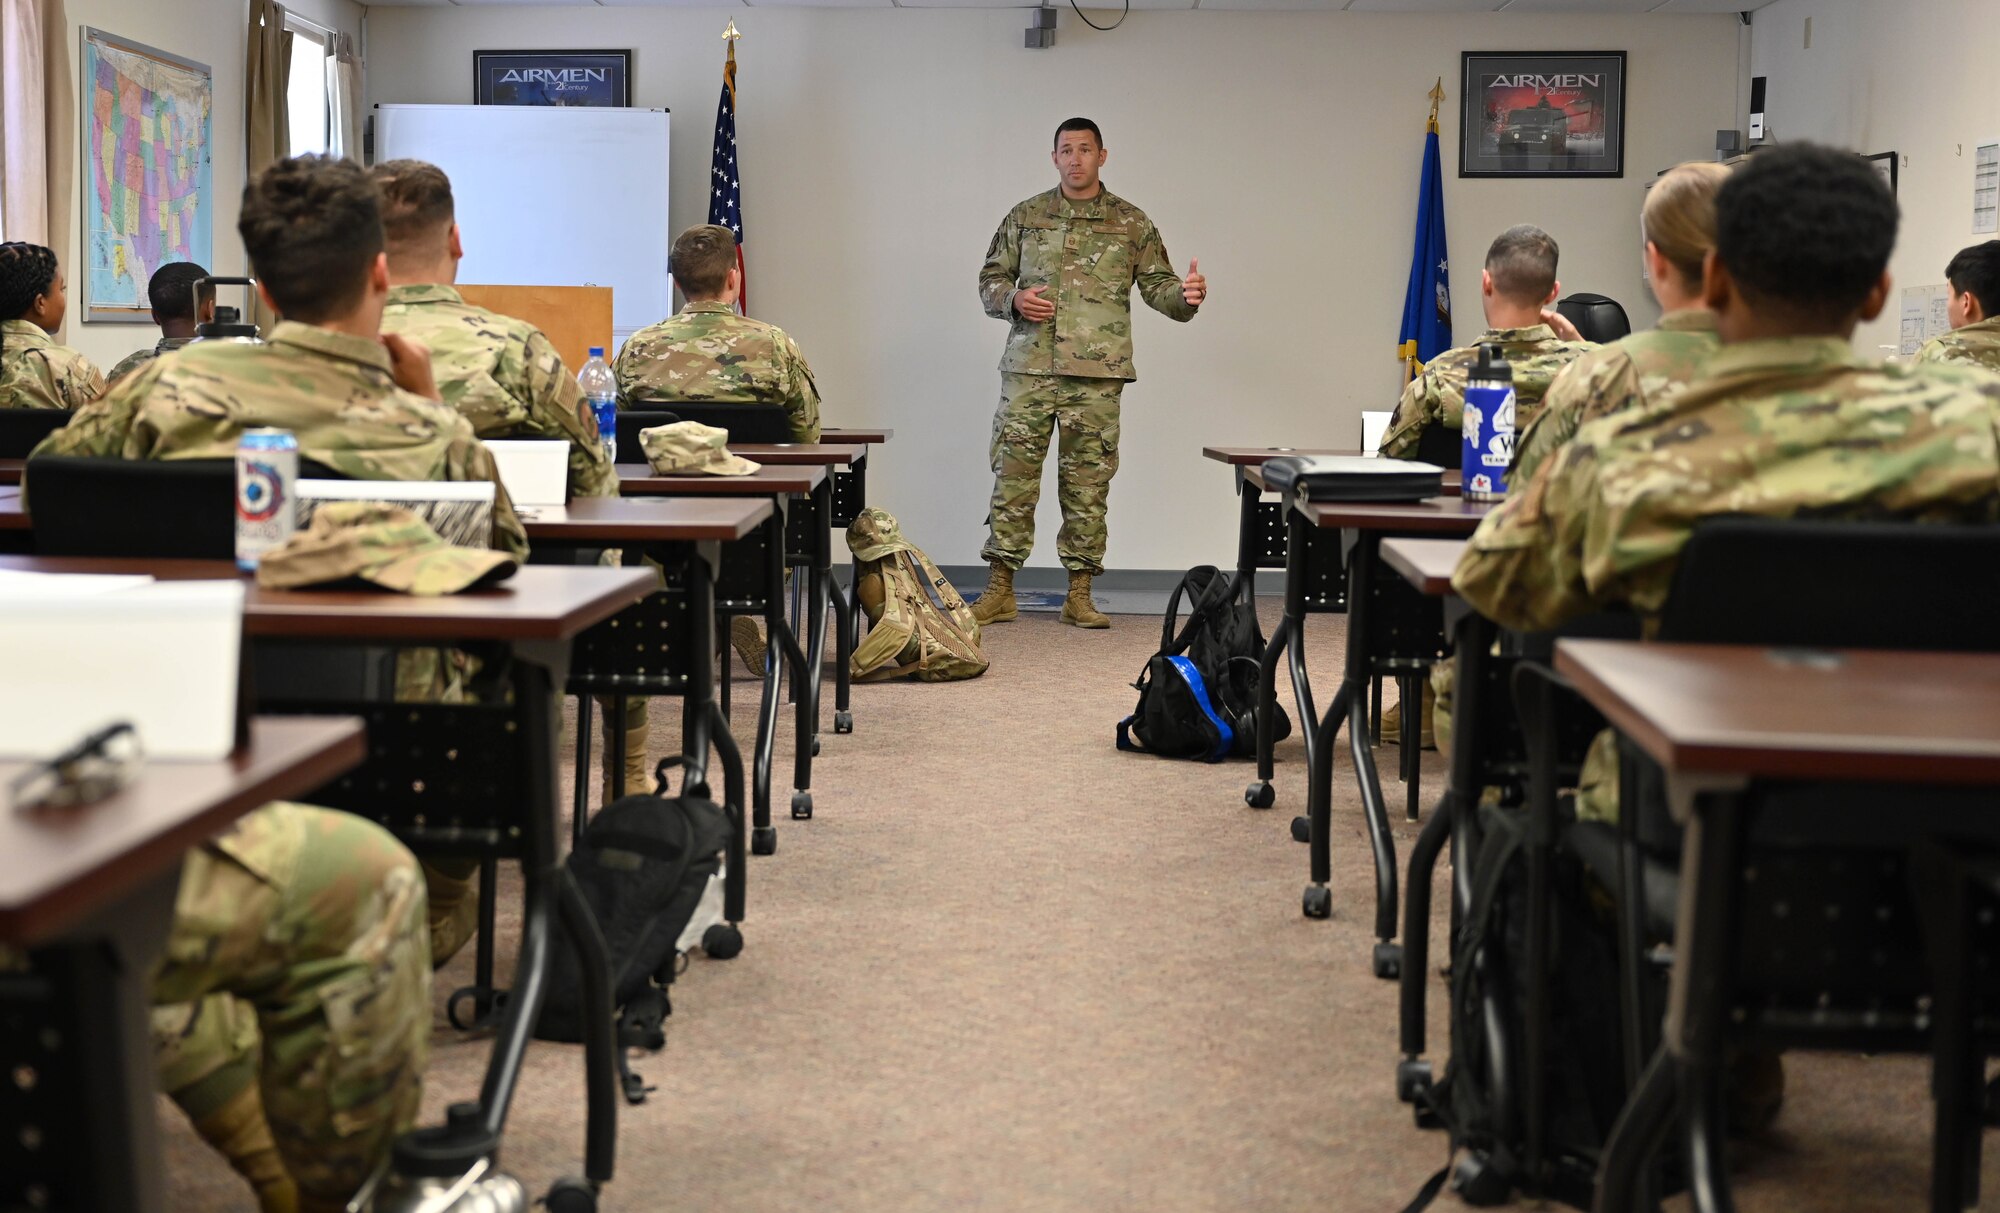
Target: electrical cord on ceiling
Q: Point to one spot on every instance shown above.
(1104, 28)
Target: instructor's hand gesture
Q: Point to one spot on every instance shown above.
(1032, 306)
(1194, 287)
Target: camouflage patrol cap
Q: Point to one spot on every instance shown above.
(875, 534)
(689, 447)
(384, 545)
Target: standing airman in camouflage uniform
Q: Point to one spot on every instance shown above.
(1517, 289)
(1974, 276)
(171, 292)
(500, 373)
(35, 372)
(708, 353)
(364, 404)
(1061, 270)
(1783, 420)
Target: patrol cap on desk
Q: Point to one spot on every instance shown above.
(689, 447)
(384, 545)
(875, 534)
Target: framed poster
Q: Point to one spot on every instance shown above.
(1884, 164)
(593, 78)
(148, 193)
(1542, 114)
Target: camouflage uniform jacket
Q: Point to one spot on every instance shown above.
(36, 373)
(1639, 371)
(708, 352)
(1978, 344)
(138, 358)
(1437, 395)
(332, 390)
(1772, 428)
(504, 377)
(1090, 253)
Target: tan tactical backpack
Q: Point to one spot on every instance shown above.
(918, 625)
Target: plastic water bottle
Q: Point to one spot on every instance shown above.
(600, 387)
(1488, 429)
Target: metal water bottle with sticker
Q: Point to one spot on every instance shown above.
(267, 477)
(1488, 432)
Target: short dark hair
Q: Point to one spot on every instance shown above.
(1977, 270)
(26, 270)
(1078, 124)
(171, 290)
(1805, 229)
(417, 207)
(312, 226)
(702, 258)
(1522, 260)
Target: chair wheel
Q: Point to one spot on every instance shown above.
(764, 840)
(722, 942)
(1318, 901)
(1413, 1079)
(802, 806)
(1302, 829)
(571, 1195)
(843, 722)
(815, 749)
(1260, 795)
(1388, 961)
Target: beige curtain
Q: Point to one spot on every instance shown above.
(344, 99)
(267, 133)
(24, 154)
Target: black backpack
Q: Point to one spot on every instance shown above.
(1584, 1064)
(1198, 694)
(649, 866)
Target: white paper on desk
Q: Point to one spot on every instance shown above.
(20, 584)
(163, 656)
(1374, 424)
(535, 471)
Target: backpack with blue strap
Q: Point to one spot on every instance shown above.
(1198, 694)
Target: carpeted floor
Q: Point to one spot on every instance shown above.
(1008, 968)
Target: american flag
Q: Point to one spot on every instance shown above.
(725, 200)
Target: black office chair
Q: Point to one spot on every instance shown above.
(21, 429)
(168, 508)
(1832, 935)
(1597, 317)
(752, 423)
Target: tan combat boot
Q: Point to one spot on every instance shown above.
(997, 604)
(748, 640)
(240, 1133)
(1392, 722)
(638, 772)
(1078, 609)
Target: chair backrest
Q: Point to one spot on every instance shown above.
(745, 423)
(1441, 446)
(21, 429)
(1597, 317)
(1819, 584)
(630, 422)
(168, 508)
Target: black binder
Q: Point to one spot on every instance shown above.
(1353, 478)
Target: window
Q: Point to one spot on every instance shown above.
(306, 88)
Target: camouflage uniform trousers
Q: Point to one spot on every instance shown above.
(298, 959)
(1084, 413)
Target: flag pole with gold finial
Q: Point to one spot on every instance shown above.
(1436, 96)
(730, 36)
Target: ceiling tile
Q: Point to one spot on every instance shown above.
(1711, 6)
(1580, 6)
(1295, 6)
(1424, 6)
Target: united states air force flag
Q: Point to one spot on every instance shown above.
(725, 199)
(1427, 300)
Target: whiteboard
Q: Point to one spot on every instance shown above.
(551, 196)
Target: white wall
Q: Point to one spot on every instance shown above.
(215, 32)
(880, 148)
(1913, 77)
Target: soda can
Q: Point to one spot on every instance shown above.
(1487, 444)
(267, 476)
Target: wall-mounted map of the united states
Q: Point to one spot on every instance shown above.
(149, 195)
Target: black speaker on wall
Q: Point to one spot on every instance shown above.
(1756, 107)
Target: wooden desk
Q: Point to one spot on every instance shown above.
(1921, 733)
(796, 454)
(612, 521)
(11, 470)
(861, 434)
(1402, 646)
(1426, 564)
(1251, 456)
(639, 480)
(90, 891)
(533, 617)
